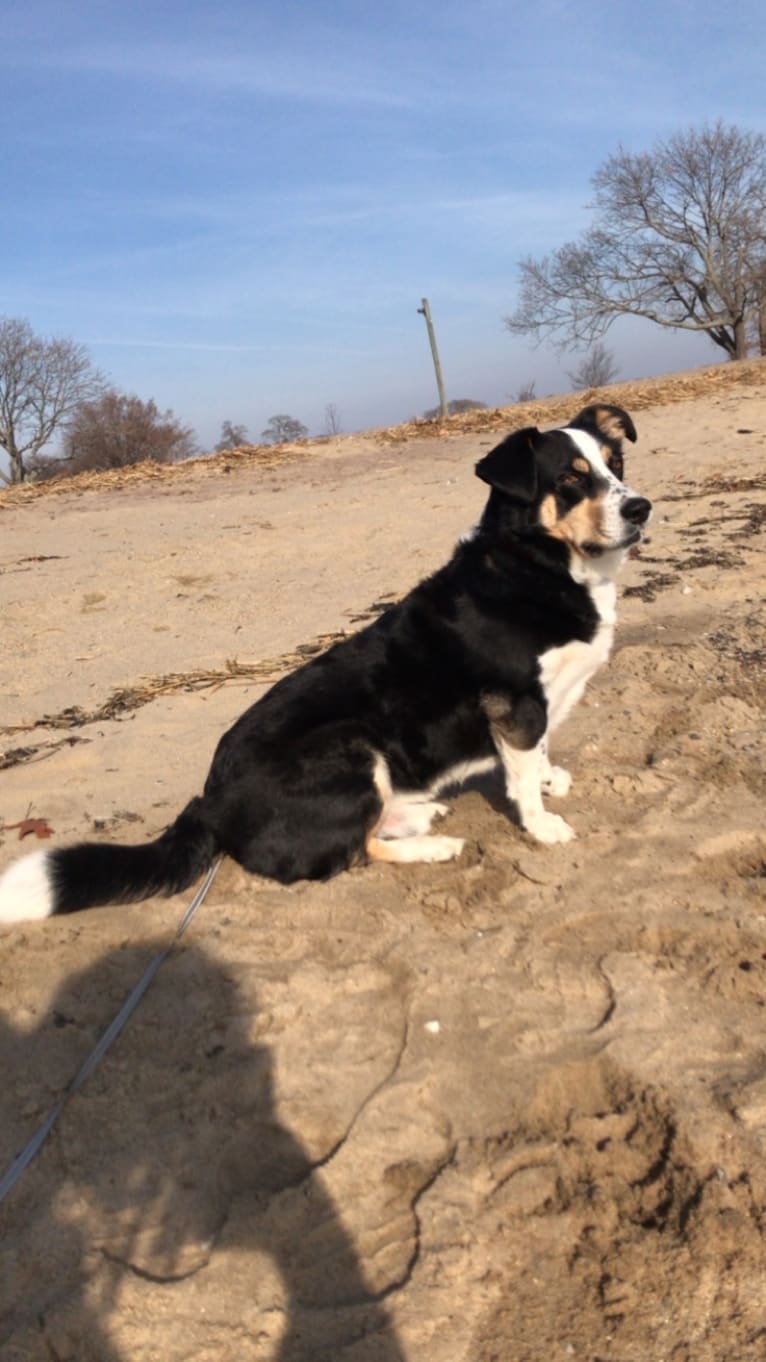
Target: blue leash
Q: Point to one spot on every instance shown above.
(27, 1154)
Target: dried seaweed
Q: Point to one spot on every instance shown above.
(129, 698)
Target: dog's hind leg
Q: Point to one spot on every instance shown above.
(404, 850)
(409, 815)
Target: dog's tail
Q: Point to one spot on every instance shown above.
(91, 874)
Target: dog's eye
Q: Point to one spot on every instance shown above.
(572, 478)
(616, 465)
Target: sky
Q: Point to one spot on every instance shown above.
(238, 207)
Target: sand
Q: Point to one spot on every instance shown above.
(507, 1110)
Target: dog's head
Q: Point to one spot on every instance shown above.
(569, 484)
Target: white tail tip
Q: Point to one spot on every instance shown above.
(26, 893)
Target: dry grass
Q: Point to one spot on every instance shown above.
(645, 392)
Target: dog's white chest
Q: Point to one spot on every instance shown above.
(566, 671)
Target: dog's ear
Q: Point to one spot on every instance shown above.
(613, 422)
(511, 466)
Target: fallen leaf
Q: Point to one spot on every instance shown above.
(38, 826)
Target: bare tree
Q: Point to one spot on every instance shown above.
(597, 369)
(41, 384)
(526, 392)
(116, 430)
(282, 429)
(679, 237)
(332, 422)
(232, 437)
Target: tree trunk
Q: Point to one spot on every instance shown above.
(16, 463)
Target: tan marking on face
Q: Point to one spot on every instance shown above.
(548, 513)
(582, 525)
(581, 465)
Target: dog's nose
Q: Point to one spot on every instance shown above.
(637, 510)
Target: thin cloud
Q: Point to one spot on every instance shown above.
(265, 347)
(288, 75)
(146, 344)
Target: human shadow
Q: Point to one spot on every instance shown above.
(170, 1154)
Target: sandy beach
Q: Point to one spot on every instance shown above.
(511, 1109)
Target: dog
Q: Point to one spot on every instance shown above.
(342, 761)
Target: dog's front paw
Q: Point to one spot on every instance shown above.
(549, 828)
(556, 782)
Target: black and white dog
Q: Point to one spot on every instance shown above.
(343, 760)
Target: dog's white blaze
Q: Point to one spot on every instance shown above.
(617, 492)
(591, 450)
(26, 893)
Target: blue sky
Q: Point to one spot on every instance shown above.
(238, 207)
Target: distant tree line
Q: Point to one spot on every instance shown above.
(281, 429)
(50, 389)
(232, 437)
(457, 405)
(42, 384)
(115, 430)
(595, 370)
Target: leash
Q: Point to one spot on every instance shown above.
(27, 1154)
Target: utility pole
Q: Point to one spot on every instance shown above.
(426, 312)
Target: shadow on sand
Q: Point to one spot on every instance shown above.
(170, 1155)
